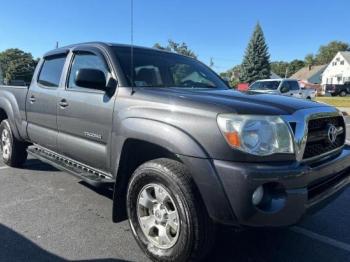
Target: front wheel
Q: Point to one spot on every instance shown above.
(13, 151)
(166, 214)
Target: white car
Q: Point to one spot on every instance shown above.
(285, 87)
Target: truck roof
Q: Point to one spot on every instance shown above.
(64, 49)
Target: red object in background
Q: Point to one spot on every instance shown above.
(243, 87)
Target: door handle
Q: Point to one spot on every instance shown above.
(63, 103)
(32, 99)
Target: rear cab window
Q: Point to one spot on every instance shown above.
(51, 71)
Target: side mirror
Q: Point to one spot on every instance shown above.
(91, 78)
(285, 89)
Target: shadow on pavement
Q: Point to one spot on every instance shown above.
(280, 245)
(103, 191)
(37, 165)
(15, 247)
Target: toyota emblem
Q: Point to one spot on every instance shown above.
(332, 133)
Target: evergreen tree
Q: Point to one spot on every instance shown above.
(256, 63)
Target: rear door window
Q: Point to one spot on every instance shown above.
(51, 71)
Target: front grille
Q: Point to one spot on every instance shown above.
(318, 142)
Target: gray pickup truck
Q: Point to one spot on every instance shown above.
(183, 152)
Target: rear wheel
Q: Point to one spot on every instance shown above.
(343, 93)
(13, 151)
(166, 214)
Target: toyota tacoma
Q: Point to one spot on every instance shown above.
(182, 151)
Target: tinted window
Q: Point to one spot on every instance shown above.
(86, 61)
(265, 85)
(51, 71)
(183, 74)
(152, 68)
(293, 85)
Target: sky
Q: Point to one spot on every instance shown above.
(217, 29)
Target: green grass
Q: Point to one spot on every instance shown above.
(335, 101)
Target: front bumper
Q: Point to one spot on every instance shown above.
(299, 188)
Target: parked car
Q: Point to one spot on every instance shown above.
(285, 87)
(338, 90)
(182, 150)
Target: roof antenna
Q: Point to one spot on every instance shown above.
(132, 45)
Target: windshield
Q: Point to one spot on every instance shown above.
(152, 68)
(265, 85)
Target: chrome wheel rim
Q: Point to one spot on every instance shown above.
(5, 144)
(158, 216)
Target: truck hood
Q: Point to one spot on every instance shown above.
(228, 100)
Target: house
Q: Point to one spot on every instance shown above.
(338, 70)
(309, 75)
(274, 76)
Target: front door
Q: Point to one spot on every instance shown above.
(41, 104)
(294, 88)
(85, 115)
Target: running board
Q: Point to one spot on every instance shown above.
(88, 174)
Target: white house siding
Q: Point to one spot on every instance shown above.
(338, 71)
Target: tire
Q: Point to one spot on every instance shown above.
(195, 232)
(308, 98)
(342, 93)
(13, 151)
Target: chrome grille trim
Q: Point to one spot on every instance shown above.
(301, 118)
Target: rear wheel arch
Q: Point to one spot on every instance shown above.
(6, 112)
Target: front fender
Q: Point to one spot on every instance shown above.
(172, 138)
(189, 151)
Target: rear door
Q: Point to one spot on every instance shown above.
(41, 104)
(84, 114)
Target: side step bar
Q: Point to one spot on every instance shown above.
(88, 174)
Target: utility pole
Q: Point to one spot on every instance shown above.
(287, 68)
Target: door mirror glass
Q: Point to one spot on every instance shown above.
(91, 78)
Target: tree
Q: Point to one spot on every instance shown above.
(310, 59)
(256, 63)
(280, 67)
(295, 66)
(327, 52)
(180, 48)
(17, 64)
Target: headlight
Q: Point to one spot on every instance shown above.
(257, 135)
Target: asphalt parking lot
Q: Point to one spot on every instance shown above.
(48, 215)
